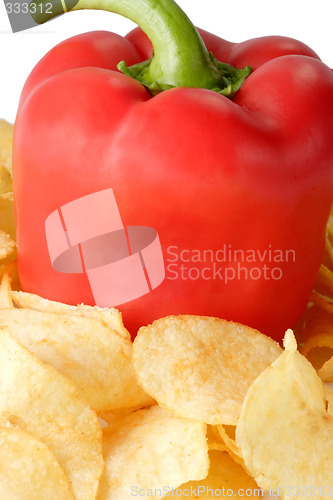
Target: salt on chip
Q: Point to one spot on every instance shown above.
(226, 478)
(149, 450)
(284, 431)
(29, 470)
(41, 401)
(200, 367)
(96, 358)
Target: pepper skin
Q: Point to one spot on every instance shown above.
(238, 190)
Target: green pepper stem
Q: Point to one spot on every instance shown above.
(180, 56)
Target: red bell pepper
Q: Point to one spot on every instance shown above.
(184, 185)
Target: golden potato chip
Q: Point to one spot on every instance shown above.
(200, 367)
(6, 142)
(5, 292)
(148, 451)
(6, 184)
(109, 317)
(323, 302)
(228, 435)
(214, 440)
(328, 255)
(324, 281)
(326, 371)
(225, 479)
(285, 432)
(41, 401)
(7, 245)
(96, 358)
(7, 220)
(318, 337)
(29, 470)
(11, 269)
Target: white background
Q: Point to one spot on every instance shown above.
(307, 20)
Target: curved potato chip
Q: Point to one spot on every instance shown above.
(228, 435)
(325, 303)
(148, 451)
(109, 317)
(6, 184)
(5, 292)
(214, 440)
(7, 219)
(200, 367)
(284, 431)
(225, 479)
(29, 470)
(326, 371)
(11, 269)
(7, 245)
(318, 337)
(41, 401)
(96, 358)
(324, 281)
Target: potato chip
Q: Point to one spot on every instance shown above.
(228, 435)
(7, 245)
(318, 337)
(41, 401)
(200, 367)
(326, 371)
(11, 269)
(96, 358)
(225, 479)
(214, 440)
(6, 141)
(6, 184)
(324, 281)
(7, 220)
(29, 470)
(109, 317)
(284, 431)
(325, 303)
(5, 292)
(149, 451)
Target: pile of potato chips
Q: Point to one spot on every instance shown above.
(195, 407)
